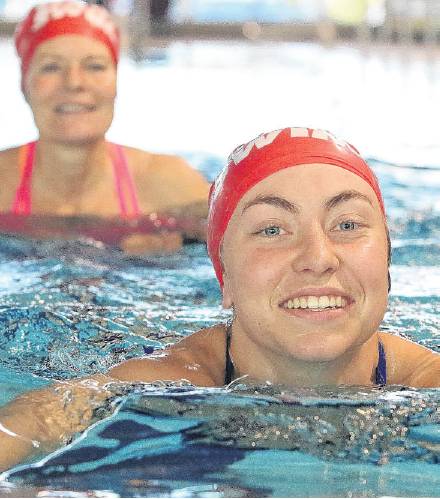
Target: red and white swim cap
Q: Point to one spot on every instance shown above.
(49, 20)
(268, 153)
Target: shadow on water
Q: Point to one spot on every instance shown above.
(254, 441)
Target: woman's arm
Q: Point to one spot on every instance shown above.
(42, 420)
(142, 244)
(9, 177)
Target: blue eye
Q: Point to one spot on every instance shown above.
(348, 225)
(271, 231)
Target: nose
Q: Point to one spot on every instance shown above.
(74, 78)
(315, 253)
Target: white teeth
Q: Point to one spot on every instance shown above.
(324, 302)
(313, 302)
(316, 302)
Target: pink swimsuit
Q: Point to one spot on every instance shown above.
(124, 185)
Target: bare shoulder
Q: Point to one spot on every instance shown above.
(168, 183)
(9, 176)
(9, 159)
(198, 358)
(142, 161)
(409, 363)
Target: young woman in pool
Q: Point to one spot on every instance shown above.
(69, 53)
(298, 238)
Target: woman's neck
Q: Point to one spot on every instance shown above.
(354, 367)
(68, 170)
(69, 161)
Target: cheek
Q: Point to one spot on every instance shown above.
(255, 270)
(40, 90)
(106, 98)
(107, 87)
(110, 96)
(371, 264)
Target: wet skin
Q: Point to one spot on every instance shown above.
(311, 230)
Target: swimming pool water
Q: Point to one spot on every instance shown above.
(69, 309)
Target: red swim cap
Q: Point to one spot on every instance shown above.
(268, 153)
(49, 20)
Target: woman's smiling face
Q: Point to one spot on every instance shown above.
(71, 88)
(305, 263)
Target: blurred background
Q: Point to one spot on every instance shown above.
(201, 76)
(323, 20)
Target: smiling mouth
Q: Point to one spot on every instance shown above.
(74, 108)
(316, 303)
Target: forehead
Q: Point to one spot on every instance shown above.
(308, 185)
(72, 46)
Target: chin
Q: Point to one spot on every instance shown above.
(79, 139)
(81, 133)
(320, 348)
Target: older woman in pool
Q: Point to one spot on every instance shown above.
(298, 238)
(69, 53)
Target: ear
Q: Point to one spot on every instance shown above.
(227, 301)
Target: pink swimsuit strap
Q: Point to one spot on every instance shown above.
(124, 185)
(22, 202)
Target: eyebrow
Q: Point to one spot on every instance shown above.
(280, 202)
(276, 201)
(55, 55)
(345, 196)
